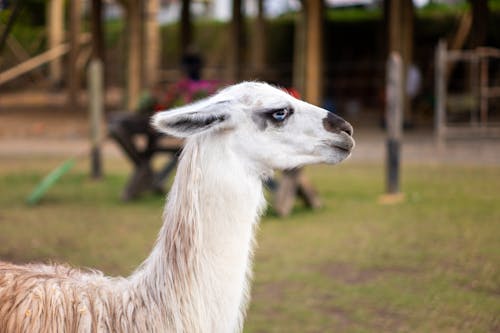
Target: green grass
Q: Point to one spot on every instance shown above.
(430, 264)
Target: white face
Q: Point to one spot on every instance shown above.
(266, 125)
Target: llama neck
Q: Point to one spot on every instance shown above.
(202, 258)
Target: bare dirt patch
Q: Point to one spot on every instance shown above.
(350, 274)
(43, 123)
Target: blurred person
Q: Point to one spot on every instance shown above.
(413, 81)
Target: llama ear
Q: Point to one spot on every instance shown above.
(193, 118)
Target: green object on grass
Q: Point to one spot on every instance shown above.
(48, 181)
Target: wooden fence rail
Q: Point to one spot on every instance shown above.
(476, 100)
(38, 61)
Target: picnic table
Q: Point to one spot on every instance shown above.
(141, 144)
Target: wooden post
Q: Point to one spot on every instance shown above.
(478, 38)
(55, 35)
(96, 89)
(483, 92)
(400, 37)
(394, 121)
(299, 60)
(463, 31)
(394, 29)
(407, 55)
(394, 113)
(152, 43)
(440, 92)
(96, 107)
(98, 51)
(314, 51)
(235, 43)
(473, 76)
(134, 53)
(284, 198)
(308, 37)
(480, 13)
(73, 77)
(186, 27)
(259, 41)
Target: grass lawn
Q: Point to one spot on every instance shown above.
(430, 264)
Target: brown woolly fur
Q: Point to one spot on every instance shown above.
(39, 298)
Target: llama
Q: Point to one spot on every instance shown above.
(196, 278)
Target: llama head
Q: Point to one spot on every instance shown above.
(269, 127)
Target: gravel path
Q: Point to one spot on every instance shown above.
(58, 132)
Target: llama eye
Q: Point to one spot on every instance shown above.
(280, 115)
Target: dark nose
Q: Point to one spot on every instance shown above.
(336, 124)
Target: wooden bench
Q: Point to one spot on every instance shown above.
(141, 144)
(144, 176)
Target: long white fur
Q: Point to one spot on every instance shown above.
(196, 278)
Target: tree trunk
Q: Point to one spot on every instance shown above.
(55, 36)
(74, 34)
(236, 43)
(152, 44)
(400, 36)
(186, 26)
(314, 51)
(299, 59)
(480, 13)
(134, 53)
(259, 42)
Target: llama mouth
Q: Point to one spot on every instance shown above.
(346, 146)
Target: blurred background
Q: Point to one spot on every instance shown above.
(403, 237)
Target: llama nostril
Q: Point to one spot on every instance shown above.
(346, 127)
(336, 124)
